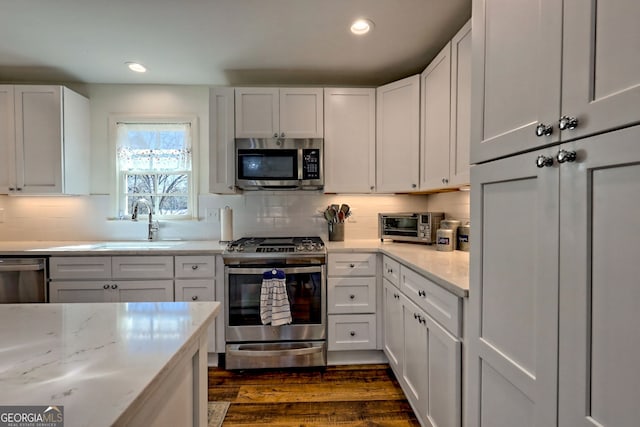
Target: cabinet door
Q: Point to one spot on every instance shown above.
(80, 268)
(222, 169)
(435, 87)
(351, 332)
(513, 309)
(195, 267)
(398, 136)
(79, 291)
(516, 75)
(601, 65)
(599, 295)
(460, 107)
(415, 369)
(7, 140)
(257, 112)
(38, 114)
(393, 327)
(350, 133)
(195, 290)
(143, 291)
(301, 113)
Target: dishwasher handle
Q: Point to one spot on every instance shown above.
(9, 265)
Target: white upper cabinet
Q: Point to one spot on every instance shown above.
(600, 65)
(435, 127)
(398, 136)
(445, 101)
(46, 142)
(221, 141)
(350, 140)
(279, 113)
(544, 74)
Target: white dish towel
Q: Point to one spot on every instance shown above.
(274, 302)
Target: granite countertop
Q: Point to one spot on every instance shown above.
(125, 247)
(448, 269)
(98, 360)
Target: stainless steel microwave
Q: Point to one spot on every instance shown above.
(279, 164)
(417, 227)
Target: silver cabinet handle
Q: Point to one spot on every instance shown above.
(194, 298)
(566, 156)
(544, 161)
(194, 267)
(567, 122)
(544, 130)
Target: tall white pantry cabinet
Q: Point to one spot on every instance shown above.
(555, 198)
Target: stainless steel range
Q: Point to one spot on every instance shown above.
(249, 342)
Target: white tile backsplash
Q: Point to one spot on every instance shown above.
(266, 213)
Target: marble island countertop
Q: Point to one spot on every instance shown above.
(97, 360)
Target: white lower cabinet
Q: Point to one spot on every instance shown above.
(425, 355)
(122, 291)
(351, 301)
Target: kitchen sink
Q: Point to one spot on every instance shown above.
(120, 245)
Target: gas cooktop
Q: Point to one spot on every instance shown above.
(273, 250)
(276, 245)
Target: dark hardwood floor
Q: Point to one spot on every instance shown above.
(355, 395)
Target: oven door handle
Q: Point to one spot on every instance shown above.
(287, 270)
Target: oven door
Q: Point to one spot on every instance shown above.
(306, 290)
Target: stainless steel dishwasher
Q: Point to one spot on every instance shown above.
(23, 280)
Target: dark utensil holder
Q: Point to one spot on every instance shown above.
(336, 231)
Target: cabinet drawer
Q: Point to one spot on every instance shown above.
(391, 270)
(142, 267)
(196, 267)
(352, 332)
(351, 295)
(351, 264)
(79, 268)
(195, 290)
(438, 303)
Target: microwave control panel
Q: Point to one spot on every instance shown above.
(311, 163)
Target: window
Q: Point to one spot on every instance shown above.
(154, 161)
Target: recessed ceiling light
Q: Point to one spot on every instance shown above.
(361, 26)
(138, 68)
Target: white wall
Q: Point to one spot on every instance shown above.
(255, 213)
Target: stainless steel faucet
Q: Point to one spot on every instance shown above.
(153, 226)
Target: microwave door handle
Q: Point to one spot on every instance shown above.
(300, 164)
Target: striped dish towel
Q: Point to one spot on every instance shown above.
(274, 302)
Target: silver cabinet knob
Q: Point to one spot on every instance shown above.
(105, 286)
(422, 293)
(275, 135)
(544, 161)
(413, 185)
(352, 296)
(12, 189)
(352, 333)
(194, 267)
(567, 122)
(566, 156)
(544, 130)
(352, 265)
(371, 188)
(114, 286)
(282, 135)
(194, 298)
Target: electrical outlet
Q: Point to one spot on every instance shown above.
(212, 214)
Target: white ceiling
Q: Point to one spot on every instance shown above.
(222, 42)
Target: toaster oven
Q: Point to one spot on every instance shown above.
(419, 227)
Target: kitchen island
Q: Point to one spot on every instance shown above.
(108, 363)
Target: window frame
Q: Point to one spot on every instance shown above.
(118, 177)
